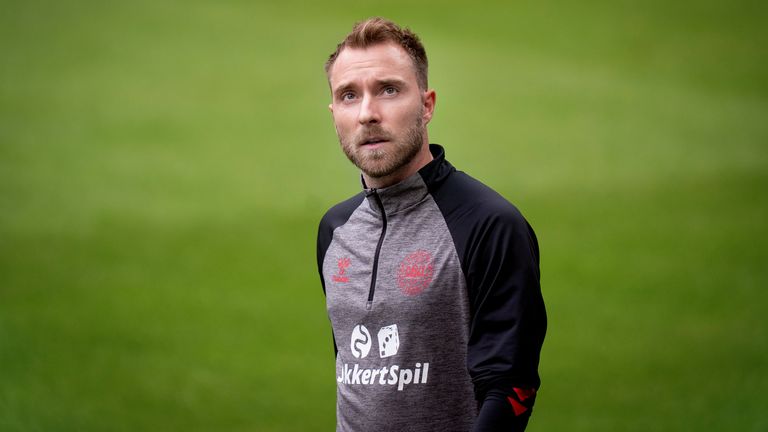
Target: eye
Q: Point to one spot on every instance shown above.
(347, 96)
(390, 91)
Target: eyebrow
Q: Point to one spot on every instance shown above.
(343, 88)
(391, 81)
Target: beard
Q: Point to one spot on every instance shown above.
(389, 158)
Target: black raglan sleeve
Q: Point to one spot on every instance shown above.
(500, 258)
(508, 320)
(333, 218)
(324, 236)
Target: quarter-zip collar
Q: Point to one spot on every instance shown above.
(413, 189)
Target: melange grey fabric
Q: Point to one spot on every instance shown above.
(418, 332)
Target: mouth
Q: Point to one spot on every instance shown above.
(374, 141)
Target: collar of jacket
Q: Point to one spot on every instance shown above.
(413, 189)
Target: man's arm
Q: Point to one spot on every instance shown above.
(508, 321)
(496, 415)
(333, 218)
(324, 235)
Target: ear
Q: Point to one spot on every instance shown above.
(330, 107)
(429, 105)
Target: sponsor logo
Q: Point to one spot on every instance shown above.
(393, 375)
(389, 341)
(387, 375)
(341, 276)
(415, 273)
(361, 341)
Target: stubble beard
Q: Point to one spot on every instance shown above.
(392, 156)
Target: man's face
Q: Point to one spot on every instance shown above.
(379, 111)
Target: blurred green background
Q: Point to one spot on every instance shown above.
(164, 165)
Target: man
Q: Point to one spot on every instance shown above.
(431, 278)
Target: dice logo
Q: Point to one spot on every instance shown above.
(389, 341)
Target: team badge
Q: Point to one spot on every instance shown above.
(415, 273)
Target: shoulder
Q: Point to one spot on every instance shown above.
(465, 198)
(340, 213)
(483, 223)
(335, 217)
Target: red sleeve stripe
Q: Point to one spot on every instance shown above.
(517, 407)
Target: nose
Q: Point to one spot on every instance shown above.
(369, 112)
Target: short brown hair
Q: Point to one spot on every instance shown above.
(378, 30)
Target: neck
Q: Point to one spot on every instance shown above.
(423, 157)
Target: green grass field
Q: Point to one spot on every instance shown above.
(163, 167)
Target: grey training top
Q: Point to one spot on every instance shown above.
(432, 289)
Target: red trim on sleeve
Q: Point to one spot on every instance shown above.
(517, 407)
(524, 394)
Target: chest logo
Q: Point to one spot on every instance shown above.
(360, 343)
(375, 373)
(389, 341)
(415, 273)
(341, 275)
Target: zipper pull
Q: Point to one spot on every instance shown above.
(368, 305)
